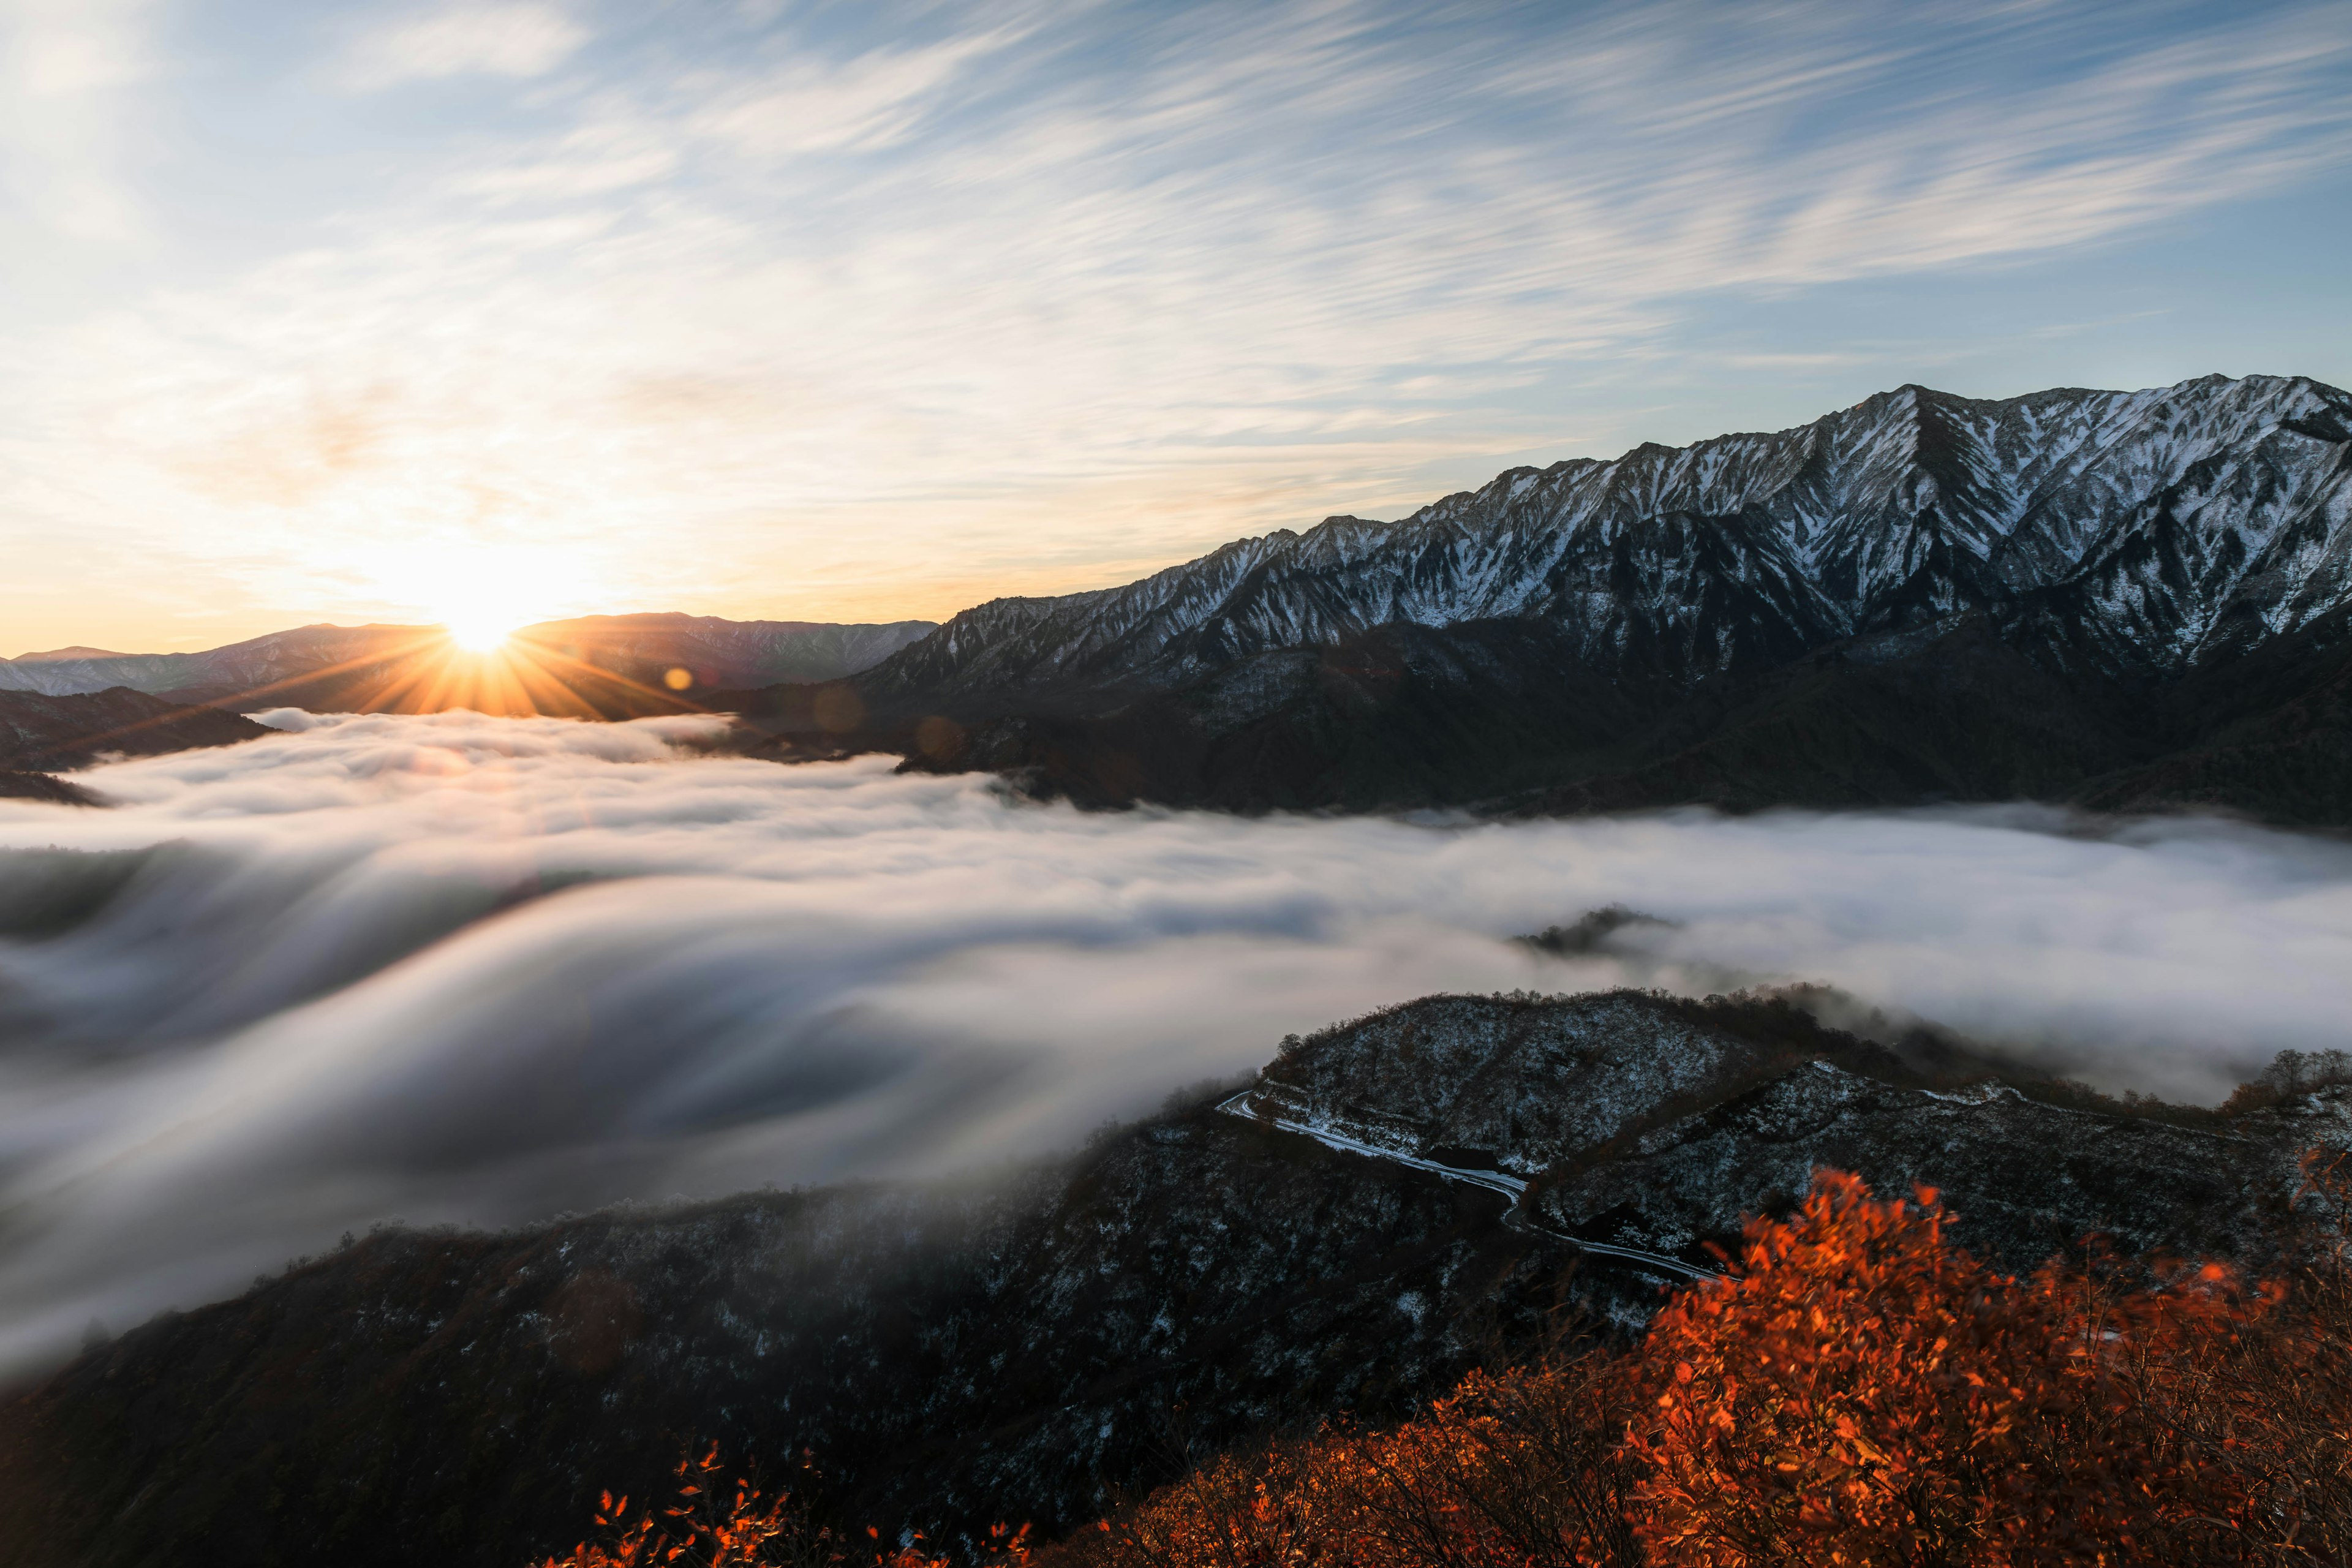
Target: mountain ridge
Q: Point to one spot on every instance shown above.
(2065, 563)
(1834, 489)
(322, 661)
(2126, 601)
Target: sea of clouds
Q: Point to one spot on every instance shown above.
(485, 970)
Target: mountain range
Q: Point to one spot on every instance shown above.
(2131, 601)
(2123, 601)
(594, 665)
(69, 707)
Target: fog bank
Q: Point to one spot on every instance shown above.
(450, 967)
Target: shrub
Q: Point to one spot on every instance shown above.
(1861, 1393)
(1517, 1467)
(1856, 1393)
(714, 1522)
(717, 1523)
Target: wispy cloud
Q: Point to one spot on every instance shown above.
(873, 100)
(473, 37)
(884, 308)
(64, 65)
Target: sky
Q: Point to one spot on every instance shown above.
(478, 969)
(309, 312)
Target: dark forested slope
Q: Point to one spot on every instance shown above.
(41, 734)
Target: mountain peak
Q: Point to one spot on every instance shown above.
(60, 654)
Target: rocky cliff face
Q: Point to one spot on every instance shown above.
(1406, 1196)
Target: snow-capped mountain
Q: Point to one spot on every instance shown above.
(2132, 601)
(2174, 523)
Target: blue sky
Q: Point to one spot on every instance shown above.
(345, 312)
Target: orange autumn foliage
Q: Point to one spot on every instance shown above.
(1513, 1469)
(735, 1524)
(1861, 1393)
(714, 1523)
(1856, 1393)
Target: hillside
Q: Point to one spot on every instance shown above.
(40, 735)
(592, 667)
(1031, 1345)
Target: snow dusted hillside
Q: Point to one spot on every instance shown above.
(1520, 1086)
(1650, 1124)
(2129, 601)
(249, 666)
(2177, 520)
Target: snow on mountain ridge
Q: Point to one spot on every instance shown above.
(2183, 511)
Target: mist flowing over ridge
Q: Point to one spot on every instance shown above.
(287, 987)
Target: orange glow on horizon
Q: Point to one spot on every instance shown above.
(515, 678)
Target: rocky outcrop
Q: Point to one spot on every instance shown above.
(1657, 1123)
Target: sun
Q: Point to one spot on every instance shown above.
(483, 602)
(479, 631)
(479, 619)
(481, 594)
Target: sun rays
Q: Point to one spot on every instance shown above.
(504, 674)
(481, 592)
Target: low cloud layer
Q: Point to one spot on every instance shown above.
(484, 970)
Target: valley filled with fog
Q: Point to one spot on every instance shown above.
(452, 968)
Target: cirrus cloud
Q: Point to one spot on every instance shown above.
(881, 310)
(480, 38)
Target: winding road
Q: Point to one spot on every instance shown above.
(1512, 1187)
